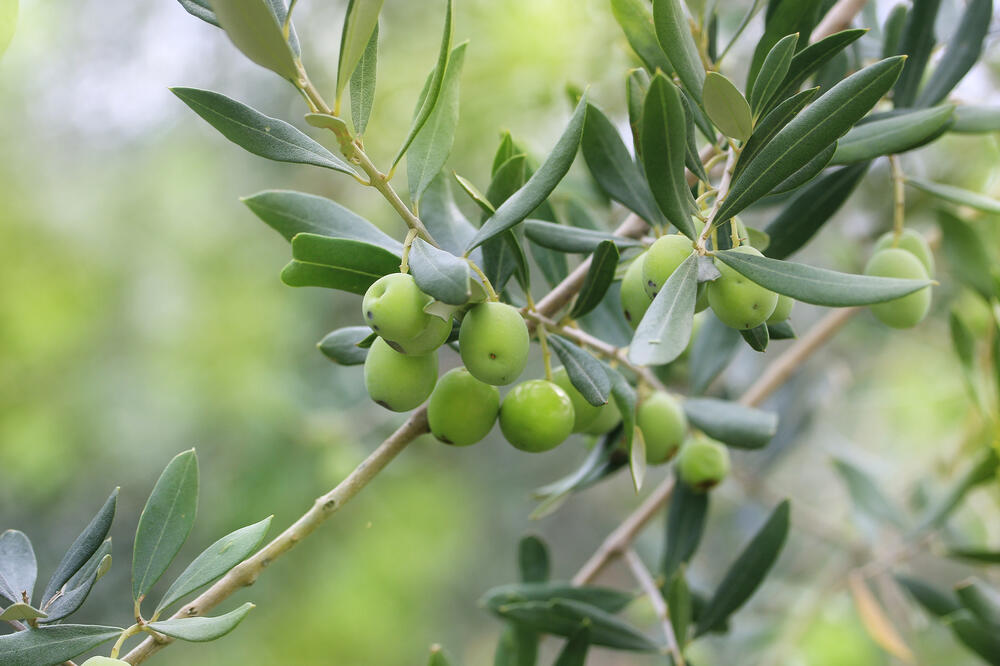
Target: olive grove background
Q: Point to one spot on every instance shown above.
(141, 314)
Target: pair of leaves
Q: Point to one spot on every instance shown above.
(606, 599)
(972, 612)
(772, 73)
(564, 617)
(961, 54)
(360, 28)
(337, 263)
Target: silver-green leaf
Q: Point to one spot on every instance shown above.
(726, 107)
(18, 567)
(665, 330)
(52, 645)
(202, 629)
(360, 23)
(254, 29)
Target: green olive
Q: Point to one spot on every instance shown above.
(493, 341)
(607, 418)
(462, 409)
(433, 336)
(911, 309)
(911, 241)
(584, 412)
(737, 301)
(536, 416)
(635, 300)
(397, 381)
(781, 310)
(702, 463)
(664, 426)
(394, 307)
(662, 259)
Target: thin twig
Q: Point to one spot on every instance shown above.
(645, 580)
(838, 18)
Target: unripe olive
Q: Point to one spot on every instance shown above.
(462, 409)
(662, 259)
(737, 301)
(607, 418)
(394, 307)
(397, 381)
(536, 416)
(103, 661)
(635, 300)
(664, 426)
(493, 341)
(433, 336)
(702, 463)
(911, 309)
(584, 412)
(781, 310)
(911, 241)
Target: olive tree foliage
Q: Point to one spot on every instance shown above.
(615, 306)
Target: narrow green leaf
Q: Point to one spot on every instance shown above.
(503, 256)
(571, 239)
(751, 12)
(967, 254)
(982, 600)
(732, 423)
(214, 562)
(964, 343)
(341, 346)
(957, 195)
(585, 372)
(757, 337)
(783, 18)
(75, 591)
(663, 149)
(783, 330)
(771, 124)
(713, 349)
(727, 108)
(253, 28)
(562, 617)
(963, 51)
(84, 547)
(292, 213)
(636, 21)
(533, 559)
(539, 186)
(892, 30)
(574, 653)
(21, 611)
(362, 84)
(606, 599)
(360, 25)
(636, 87)
(518, 646)
(18, 568)
(892, 135)
(613, 168)
(819, 286)
(665, 330)
(202, 629)
(52, 645)
(598, 280)
(431, 146)
(810, 209)
(604, 459)
(980, 555)
(981, 638)
(976, 119)
(625, 400)
(811, 169)
(337, 263)
(677, 43)
(429, 95)
(680, 604)
(773, 72)
(917, 42)
(440, 274)
(637, 458)
(685, 526)
(808, 61)
(748, 570)
(442, 217)
(692, 159)
(937, 602)
(261, 135)
(866, 495)
(812, 130)
(165, 522)
(983, 469)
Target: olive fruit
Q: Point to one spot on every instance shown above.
(462, 409)
(911, 241)
(394, 307)
(584, 412)
(781, 310)
(662, 259)
(911, 309)
(433, 336)
(536, 416)
(493, 342)
(398, 381)
(661, 419)
(736, 300)
(702, 463)
(103, 661)
(607, 418)
(635, 300)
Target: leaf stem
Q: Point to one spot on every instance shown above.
(543, 341)
(487, 285)
(404, 263)
(898, 198)
(128, 633)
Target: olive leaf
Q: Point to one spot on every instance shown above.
(665, 330)
(337, 263)
(360, 26)
(343, 346)
(18, 568)
(601, 274)
(201, 629)
(726, 107)
(53, 645)
(362, 84)
(253, 27)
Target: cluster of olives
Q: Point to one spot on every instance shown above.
(905, 256)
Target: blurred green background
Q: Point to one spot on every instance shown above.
(141, 314)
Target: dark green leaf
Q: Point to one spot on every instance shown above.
(74, 592)
(807, 62)
(613, 168)
(18, 567)
(337, 263)
(84, 547)
(677, 42)
(599, 278)
(636, 22)
(506, 150)
(963, 52)
(254, 29)
(892, 30)
(771, 124)
(812, 169)
(574, 653)
(665, 330)
(165, 522)
(440, 274)
(966, 253)
(748, 570)
(518, 646)
(811, 208)
(866, 495)
(781, 331)
(980, 555)
(605, 459)
(976, 119)
(636, 87)
(533, 559)
(757, 337)
(571, 239)
(679, 602)
(606, 599)
(516, 208)
(772, 73)
(982, 470)
(563, 617)
(685, 525)
(809, 133)
(692, 159)
(782, 18)
(819, 286)
(892, 135)
(341, 346)
(625, 400)
(981, 638)
(957, 195)
(981, 599)
(726, 107)
(917, 42)
(713, 349)
(259, 134)
(214, 562)
(363, 84)
(937, 602)
(52, 645)
(585, 372)
(360, 27)
(292, 213)
(202, 629)
(553, 264)
(663, 148)
(732, 423)
(751, 12)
